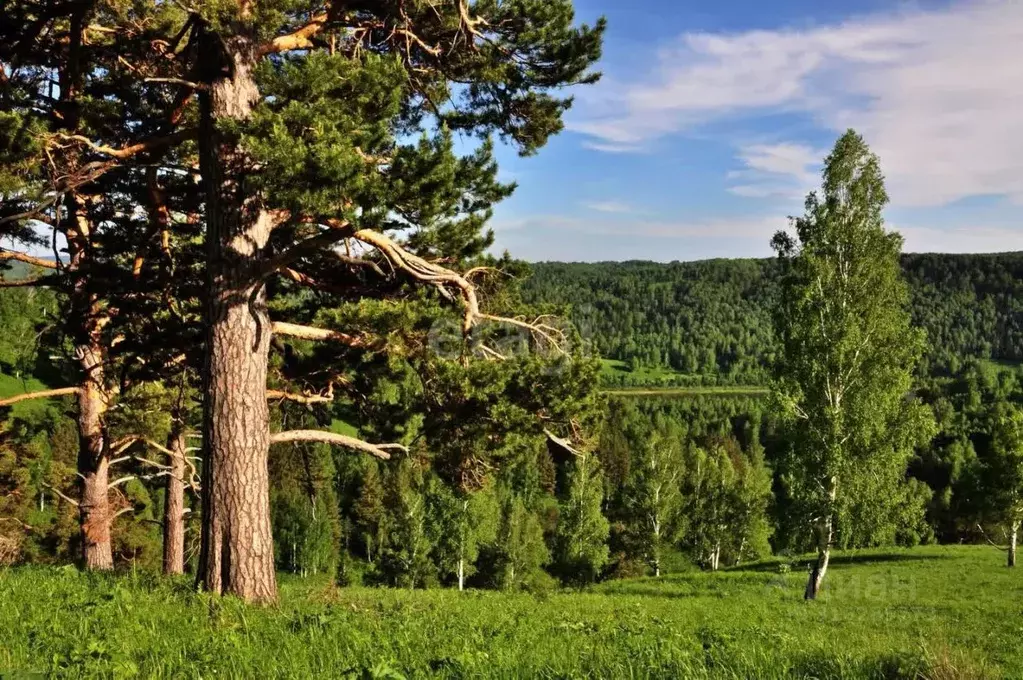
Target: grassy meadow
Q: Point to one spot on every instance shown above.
(934, 612)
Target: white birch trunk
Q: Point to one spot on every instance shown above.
(1013, 532)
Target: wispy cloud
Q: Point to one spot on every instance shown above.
(785, 170)
(622, 237)
(608, 206)
(936, 93)
(611, 225)
(968, 239)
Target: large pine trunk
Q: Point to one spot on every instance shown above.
(237, 549)
(174, 504)
(95, 514)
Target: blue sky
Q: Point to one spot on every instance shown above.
(712, 119)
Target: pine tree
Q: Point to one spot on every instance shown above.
(314, 125)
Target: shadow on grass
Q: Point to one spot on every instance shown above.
(838, 560)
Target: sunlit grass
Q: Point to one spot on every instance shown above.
(949, 612)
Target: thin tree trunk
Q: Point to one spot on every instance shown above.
(657, 545)
(237, 549)
(461, 574)
(174, 503)
(825, 536)
(1013, 531)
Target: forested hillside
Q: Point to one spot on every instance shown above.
(710, 321)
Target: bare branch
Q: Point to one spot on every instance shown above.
(27, 259)
(122, 511)
(305, 248)
(378, 450)
(297, 40)
(135, 149)
(442, 277)
(177, 81)
(43, 394)
(123, 444)
(118, 482)
(306, 398)
(563, 444)
(322, 334)
(57, 491)
(27, 283)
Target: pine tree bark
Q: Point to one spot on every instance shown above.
(174, 504)
(237, 548)
(95, 516)
(86, 321)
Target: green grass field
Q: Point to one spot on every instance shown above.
(719, 391)
(649, 381)
(935, 612)
(11, 386)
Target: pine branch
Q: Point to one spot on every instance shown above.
(307, 398)
(442, 277)
(309, 246)
(378, 450)
(297, 40)
(129, 151)
(293, 330)
(27, 259)
(43, 394)
(57, 491)
(41, 281)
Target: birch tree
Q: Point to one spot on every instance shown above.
(656, 497)
(848, 349)
(1001, 473)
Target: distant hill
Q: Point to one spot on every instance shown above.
(710, 321)
(14, 270)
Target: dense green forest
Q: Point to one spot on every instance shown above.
(710, 322)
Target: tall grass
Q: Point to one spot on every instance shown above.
(938, 613)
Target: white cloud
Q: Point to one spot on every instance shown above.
(608, 206)
(973, 239)
(611, 237)
(937, 94)
(621, 225)
(786, 170)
